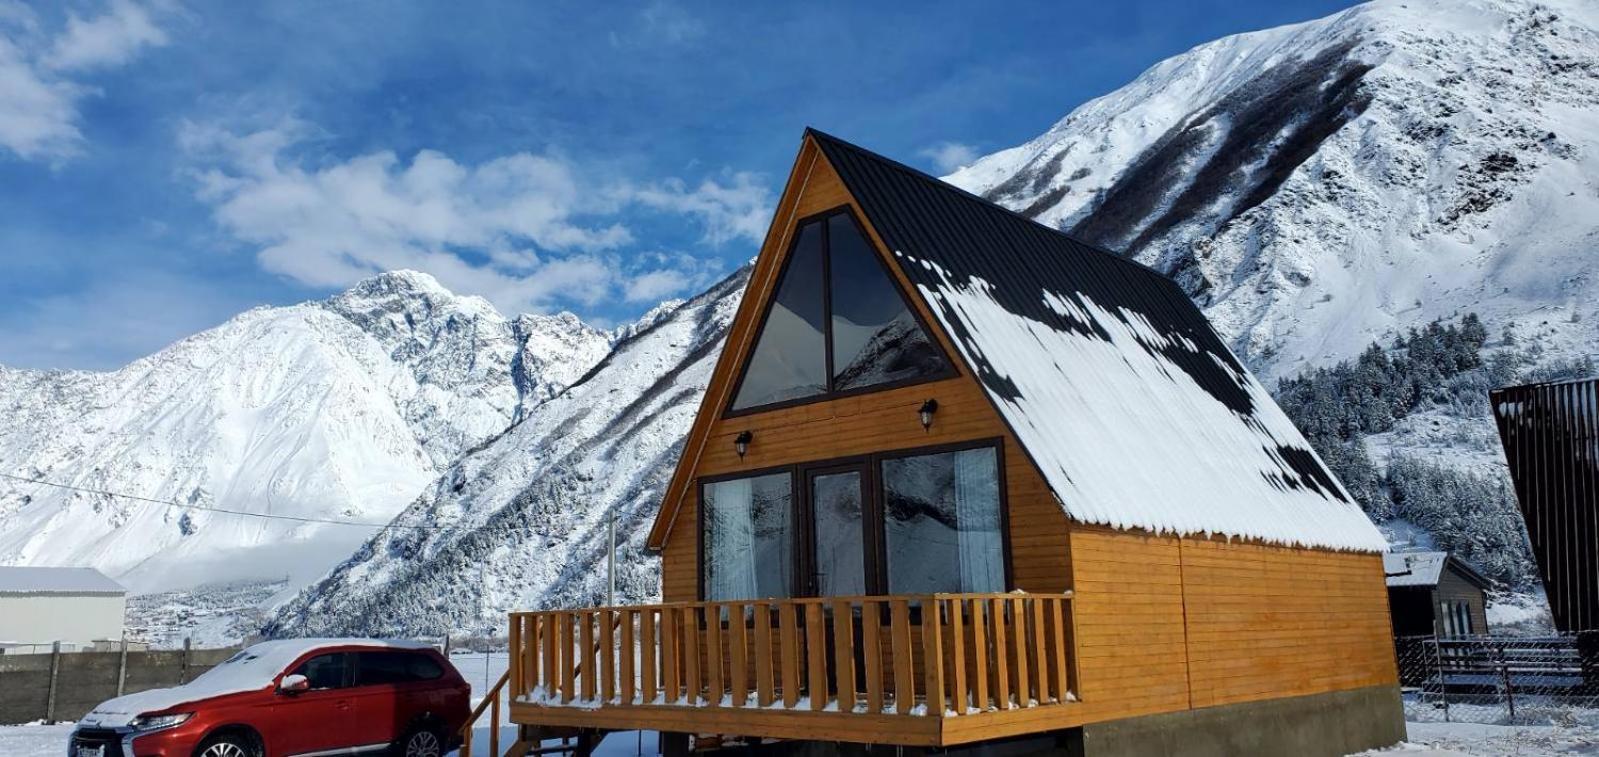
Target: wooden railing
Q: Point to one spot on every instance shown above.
(941, 654)
(492, 704)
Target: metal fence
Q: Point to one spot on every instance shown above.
(1499, 680)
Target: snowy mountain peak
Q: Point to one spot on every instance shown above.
(1321, 185)
(344, 409)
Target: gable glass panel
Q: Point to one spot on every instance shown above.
(942, 522)
(789, 361)
(747, 536)
(876, 339)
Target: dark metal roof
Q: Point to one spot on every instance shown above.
(1050, 278)
(1550, 434)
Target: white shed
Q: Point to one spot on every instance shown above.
(75, 606)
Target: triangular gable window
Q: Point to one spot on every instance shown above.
(838, 323)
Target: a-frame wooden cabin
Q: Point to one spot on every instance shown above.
(960, 478)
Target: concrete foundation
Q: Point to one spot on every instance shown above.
(1332, 724)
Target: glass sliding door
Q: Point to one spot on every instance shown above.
(747, 536)
(942, 524)
(837, 510)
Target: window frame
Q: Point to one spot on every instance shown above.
(830, 393)
(699, 520)
(802, 552)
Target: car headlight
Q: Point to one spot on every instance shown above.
(157, 722)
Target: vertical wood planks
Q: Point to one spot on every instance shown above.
(980, 655)
(516, 655)
(1057, 648)
(690, 617)
(790, 652)
(933, 657)
(1018, 653)
(530, 654)
(586, 654)
(738, 663)
(1040, 653)
(625, 649)
(551, 675)
(872, 654)
(763, 655)
(671, 655)
(960, 699)
(816, 651)
(564, 644)
(844, 655)
(646, 642)
(713, 655)
(608, 619)
(900, 649)
(953, 655)
(996, 628)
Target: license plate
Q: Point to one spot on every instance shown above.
(85, 750)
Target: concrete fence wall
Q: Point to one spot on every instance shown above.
(64, 686)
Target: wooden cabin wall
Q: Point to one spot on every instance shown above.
(1167, 624)
(866, 423)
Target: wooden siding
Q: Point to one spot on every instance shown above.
(1166, 624)
(858, 425)
(1452, 587)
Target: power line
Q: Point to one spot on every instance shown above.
(223, 510)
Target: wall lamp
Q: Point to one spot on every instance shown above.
(928, 409)
(741, 443)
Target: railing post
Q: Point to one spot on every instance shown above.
(494, 725)
(514, 656)
(183, 670)
(933, 659)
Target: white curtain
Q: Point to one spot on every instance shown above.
(731, 558)
(977, 511)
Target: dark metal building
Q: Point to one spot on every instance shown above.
(1550, 434)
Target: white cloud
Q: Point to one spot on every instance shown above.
(112, 38)
(949, 156)
(38, 98)
(527, 231)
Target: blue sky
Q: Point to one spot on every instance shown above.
(166, 164)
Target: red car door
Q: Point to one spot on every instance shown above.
(380, 696)
(321, 718)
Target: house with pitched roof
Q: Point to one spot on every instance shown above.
(961, 481)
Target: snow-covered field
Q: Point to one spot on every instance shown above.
(1426, 739)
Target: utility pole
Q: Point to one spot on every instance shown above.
(610, 560)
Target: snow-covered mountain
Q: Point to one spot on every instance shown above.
(521, 521)
(1318, 186)
(1315, 187)
(342, 409)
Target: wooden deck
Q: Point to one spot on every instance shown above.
(916, 670)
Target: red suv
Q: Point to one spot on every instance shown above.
(291, 697)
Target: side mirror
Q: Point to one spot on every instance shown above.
(294, 684)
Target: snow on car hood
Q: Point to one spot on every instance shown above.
(252, 669)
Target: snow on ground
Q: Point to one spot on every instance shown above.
(1475, 740)
(1425, 739)
(34, 739)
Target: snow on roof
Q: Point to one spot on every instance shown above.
(1414, 568)
(1128, 402)
(1425, 568)
(15, 580)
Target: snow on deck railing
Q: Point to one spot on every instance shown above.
(936, 654)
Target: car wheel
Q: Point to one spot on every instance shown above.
(227, 745)
(421, 742)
